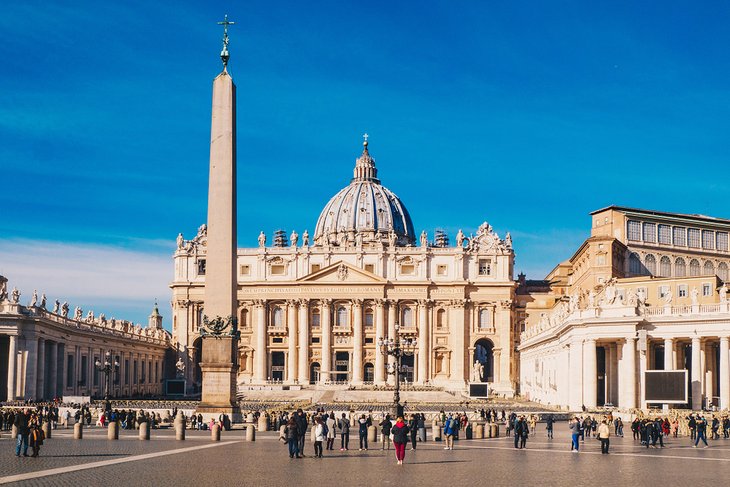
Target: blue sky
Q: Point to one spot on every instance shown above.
(528, 115)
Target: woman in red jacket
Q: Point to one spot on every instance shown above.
(400, 439)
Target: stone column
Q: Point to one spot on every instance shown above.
(423, 341)
(696, 374)
(324, 371)
(505, 339)
(643, 367)
(379, 377)
(576, 375)
(291, 359)
(357, 342)
(590, 374)
(392, 313)
(669, 354)
(12, 367)
(724, 372)
(54, 370)
(496, 353)
(303, 341)
(31, 367)
(260, 366)
(457, 327)
(627, 381)
(608, 373)
(41, 383)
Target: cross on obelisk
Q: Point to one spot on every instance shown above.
(224, 53)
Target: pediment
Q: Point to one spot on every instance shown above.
(342, 272)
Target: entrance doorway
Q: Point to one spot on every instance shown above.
(406, 369)
(277, 366)
(369, 372)
(483, 353)
(314, 373)
(342, 367)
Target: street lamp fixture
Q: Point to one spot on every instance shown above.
(107, 367)
(397, 348)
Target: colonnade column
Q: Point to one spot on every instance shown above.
(627, 381)
(260, 367)
(392, 310)
(41, 388)
(31, 367)
(54, 370)
(576, 376)
(669, 354)
(357, 342)
(304, 341)
(724, 372)
(379, 378)
(12, 367)
(696, 378)
(291, 360)
(496, 353)
(423, 341)
(324, 370)
(590, 374)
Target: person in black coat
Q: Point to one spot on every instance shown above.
(301, 420)
(413, 427)
(21, 422)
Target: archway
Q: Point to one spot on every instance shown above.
(483, 353)
(369, 372)
(314, 373)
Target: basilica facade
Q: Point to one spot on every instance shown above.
(311, 309)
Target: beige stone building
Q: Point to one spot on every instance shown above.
(47, 353)
(312, 308)
(645, 292)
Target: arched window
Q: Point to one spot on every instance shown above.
(709, 269)
(650, 264)
(484, 318)
(341, 316)
(278, 317)
(634, 265)
(316, 318)
(407, 317)
(665, 267)
(680, 268)
(722, 271)
(369, 320)
(441, 318)
(243, 323)
(694, 268)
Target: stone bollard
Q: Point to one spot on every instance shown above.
(215, 432)
(263, 424)
(78, 431)
(249, 418)
(144, 431)
(494, 430)
(113, 430)
(46, 429)
(14, 432)
(250, 432)
(372, 434)
(436, 430)
(179, 427)
(479, 431)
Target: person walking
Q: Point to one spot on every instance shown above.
(549, 425)
(449, 431)
(517, 426)
(363, 431)
(35, 436)
(400, 438)
(413, 428)
(604, 432)
(701, 427)
(21, 422)
(385, 428)
(344, 426)
(319, 436)
(524, 432)
(291, 434)
(301, 420)
(575, 435)
(330, 423)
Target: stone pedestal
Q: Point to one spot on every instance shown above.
(219, 378)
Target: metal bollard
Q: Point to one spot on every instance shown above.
(144, 431)
(113, 431)
(250, 432)
(46, 429)
(215, 433)
(78, 431)
(179, 427)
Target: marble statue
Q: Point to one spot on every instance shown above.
(392, 238)
(15, 295)
(592, 299)
(180, 366)
(424, 239)
(305, 239)
(202, 232)
(64, 309)
(358, 239)
(694, 296)
(508, 240)
(102, 319)
(723, 293)
(78, 312)
(460, 238)
(668, 297)
(56, 306)
(262, 239)
(294, 238)
(43, 301)
(3, 289)
(34, 298)
(180, 241)
(90, 316)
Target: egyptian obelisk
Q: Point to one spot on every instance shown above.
(220, 337)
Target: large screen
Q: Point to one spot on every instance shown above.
(175, 387)
(478, 390)
(666, 386)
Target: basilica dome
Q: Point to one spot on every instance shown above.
(365, 211)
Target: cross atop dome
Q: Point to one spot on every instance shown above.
(365, 165)
(365, 139)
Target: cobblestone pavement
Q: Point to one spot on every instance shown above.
(198, 461)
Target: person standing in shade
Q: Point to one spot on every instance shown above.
(549, 425)
(385, 428)
(701, 427)
(344, 426)
(575, 435)
(400, 439)
(21, 422)
(363, 431)
(604, 432)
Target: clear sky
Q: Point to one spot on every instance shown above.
(526, 114)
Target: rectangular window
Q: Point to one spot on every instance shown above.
(201, 267)
(245, 270)
(485, 267)
(315, 268)
(706, 289)
(708, 239)
(722, 241)
(633, 231)
(679, 236)
(277, 270)
(682, 291)
(663, 290)
(368, 341)
(649, 232)
(441, 270)
(315, 339)
(370, 268)
(693, 238)
(665, 234)
(277, 340)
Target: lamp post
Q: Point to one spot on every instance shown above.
(107, 367)
(396, 348)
